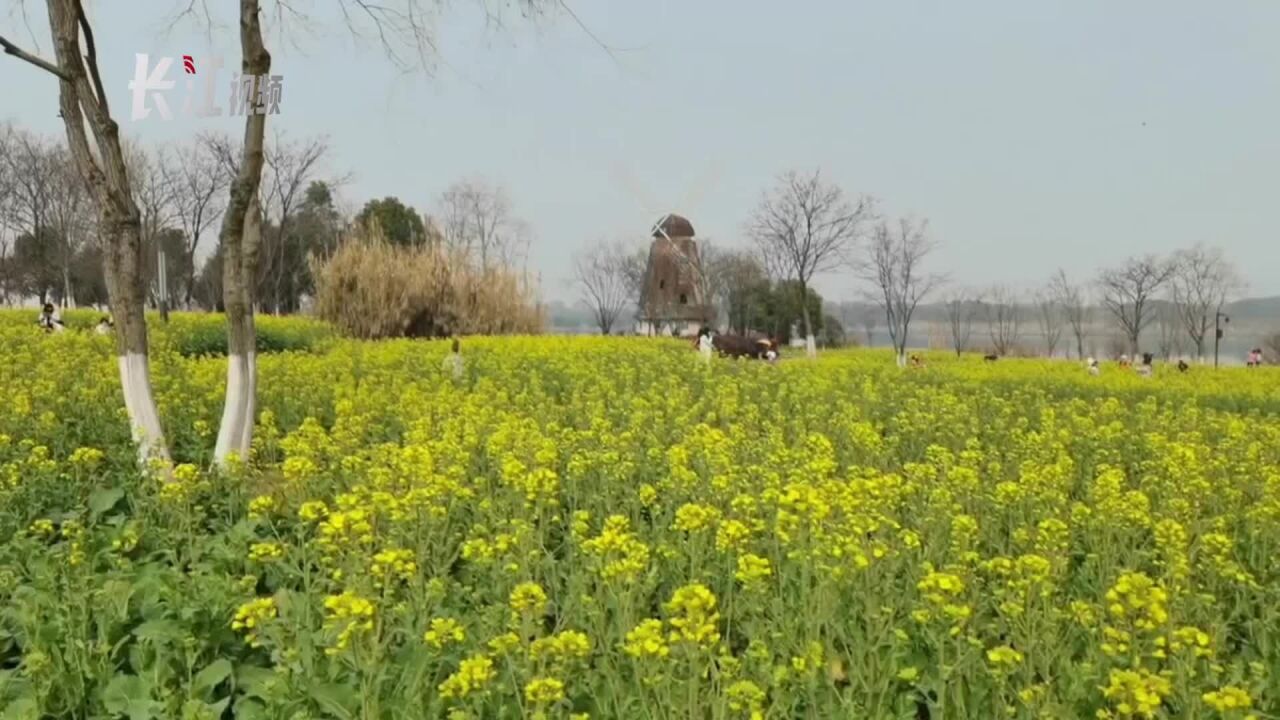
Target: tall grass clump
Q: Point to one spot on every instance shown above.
(370, 288)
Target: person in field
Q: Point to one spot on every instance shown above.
(453, 361)
(1183, 366)
(50, 321)
(1145, 368)
(104, 326)
(1094, 369)
(1254, 359)
(706, 345)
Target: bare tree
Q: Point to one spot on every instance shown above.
(1271, 348)
(31, 164)
(82, 101)
(152, 175)
(1004, 319)
(806, 226)
(1170, 328)
(290, 168)
(899, 283)
(1203, 280)
(601, 275)
(1049, 316)
(68, 217)
(962, 308)
(741, 275)
(6, 197)
(869, 320)
(1075, 308)
(241, 237)
(478, 219)
(199, 181)
(1127, 291)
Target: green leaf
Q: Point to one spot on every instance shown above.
(24, 708)
(248, 709)
(208, 678)
(130, 695)
(340, 701)
(158, 631)
(103, 499)
(255, 681)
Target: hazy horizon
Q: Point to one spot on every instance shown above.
(1032, 136)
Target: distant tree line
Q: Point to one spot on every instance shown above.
(805, 226)
(51, 247)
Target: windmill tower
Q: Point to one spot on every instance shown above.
(673, 296)
(672, 293)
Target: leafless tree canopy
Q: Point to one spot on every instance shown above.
(1126, 292)
(1049, 316)
(1271, 348)
(1074, 306)
(601, 275)
(1201, 283)
(288, 168)
(962, 308)
(477, 219)
(1004, 319)
(200, 197)
(1169, 330)
(740, 273)
(894, 270)
(805, 226)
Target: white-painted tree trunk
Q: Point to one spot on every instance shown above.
(235, 432)
(811, 346)
(140, 404)
(241, 236)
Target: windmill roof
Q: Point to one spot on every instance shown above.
(674, 226)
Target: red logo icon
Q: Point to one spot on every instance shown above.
(189, 64)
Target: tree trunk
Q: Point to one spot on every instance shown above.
(82, 105)
(123, 261)
(241, 236)
(810, 346)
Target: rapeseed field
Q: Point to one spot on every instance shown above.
(605, 528)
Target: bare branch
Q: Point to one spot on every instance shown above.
(14, 50)
(91, 55)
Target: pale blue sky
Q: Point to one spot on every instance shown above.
(1016, 127)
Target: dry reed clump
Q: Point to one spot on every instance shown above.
(372, 289)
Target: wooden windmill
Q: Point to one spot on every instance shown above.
(673, 293)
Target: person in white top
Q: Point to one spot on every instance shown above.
(50, 320)
(706, 346)
(1093, 367)
(104, 326)
(1145, 368)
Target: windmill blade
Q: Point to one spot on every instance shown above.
(623, 176)
(702, 184)
(659, 227)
